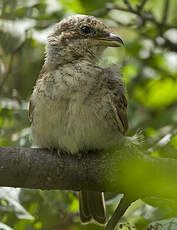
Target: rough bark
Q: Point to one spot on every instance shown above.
(127, 171)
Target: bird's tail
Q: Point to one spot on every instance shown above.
(92, 207)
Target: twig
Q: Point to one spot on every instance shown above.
(126, 2)
(141, 5)
(144, 16)
(111, 6)
(165, 12)
(167, 44)
(119, 212)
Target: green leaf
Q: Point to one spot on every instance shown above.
(167, 224)
(83, 6)
(129, 72)
(5, 227)
(174, 141)
(11, 195)
(74, 5)
(157, 93)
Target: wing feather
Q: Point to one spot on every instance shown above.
(118, 103)
(30, 111)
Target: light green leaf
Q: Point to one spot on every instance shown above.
(157, 93)
(5, 227)
(11, 195)
(167, 224)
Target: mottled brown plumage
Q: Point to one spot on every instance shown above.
(77, 105)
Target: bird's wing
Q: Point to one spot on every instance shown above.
(42, 74)
(118, 103)
(30, 111)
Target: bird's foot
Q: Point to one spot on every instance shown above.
(56, 152)
(79, 155)
(59, 153)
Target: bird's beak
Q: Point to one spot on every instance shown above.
(110, 40)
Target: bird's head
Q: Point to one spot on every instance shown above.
(80, 36)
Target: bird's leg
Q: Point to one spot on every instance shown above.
(79, 155)
(59, 153)
(56, 152)
(53, 151)
(124, 203)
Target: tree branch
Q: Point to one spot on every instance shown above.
(145, 17)
(126, 171)
(127, 3)
(165, 12)
(119, 212)
(141, 5)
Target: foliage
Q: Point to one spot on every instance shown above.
(149, 66)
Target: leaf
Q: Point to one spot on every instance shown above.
(157, 93)
(129, 71)
(83, 6)
(174, 141)
(4, 227)
(74, 5)
(11, 195)
(167, 224)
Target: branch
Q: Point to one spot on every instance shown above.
(143, 15)
(126, 171)
(141, 5)
(126, 2)
(119, 212)
(165, 12)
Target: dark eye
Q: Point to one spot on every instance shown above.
(86, 29)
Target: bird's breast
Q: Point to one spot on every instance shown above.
(70, 114)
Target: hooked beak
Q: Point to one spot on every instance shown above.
(111, 40)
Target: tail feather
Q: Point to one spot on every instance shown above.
(92, 207)
(85, 215)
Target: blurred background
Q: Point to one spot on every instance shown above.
(149, 66)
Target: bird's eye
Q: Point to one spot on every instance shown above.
(86, 29)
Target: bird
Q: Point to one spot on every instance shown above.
(78, 105)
